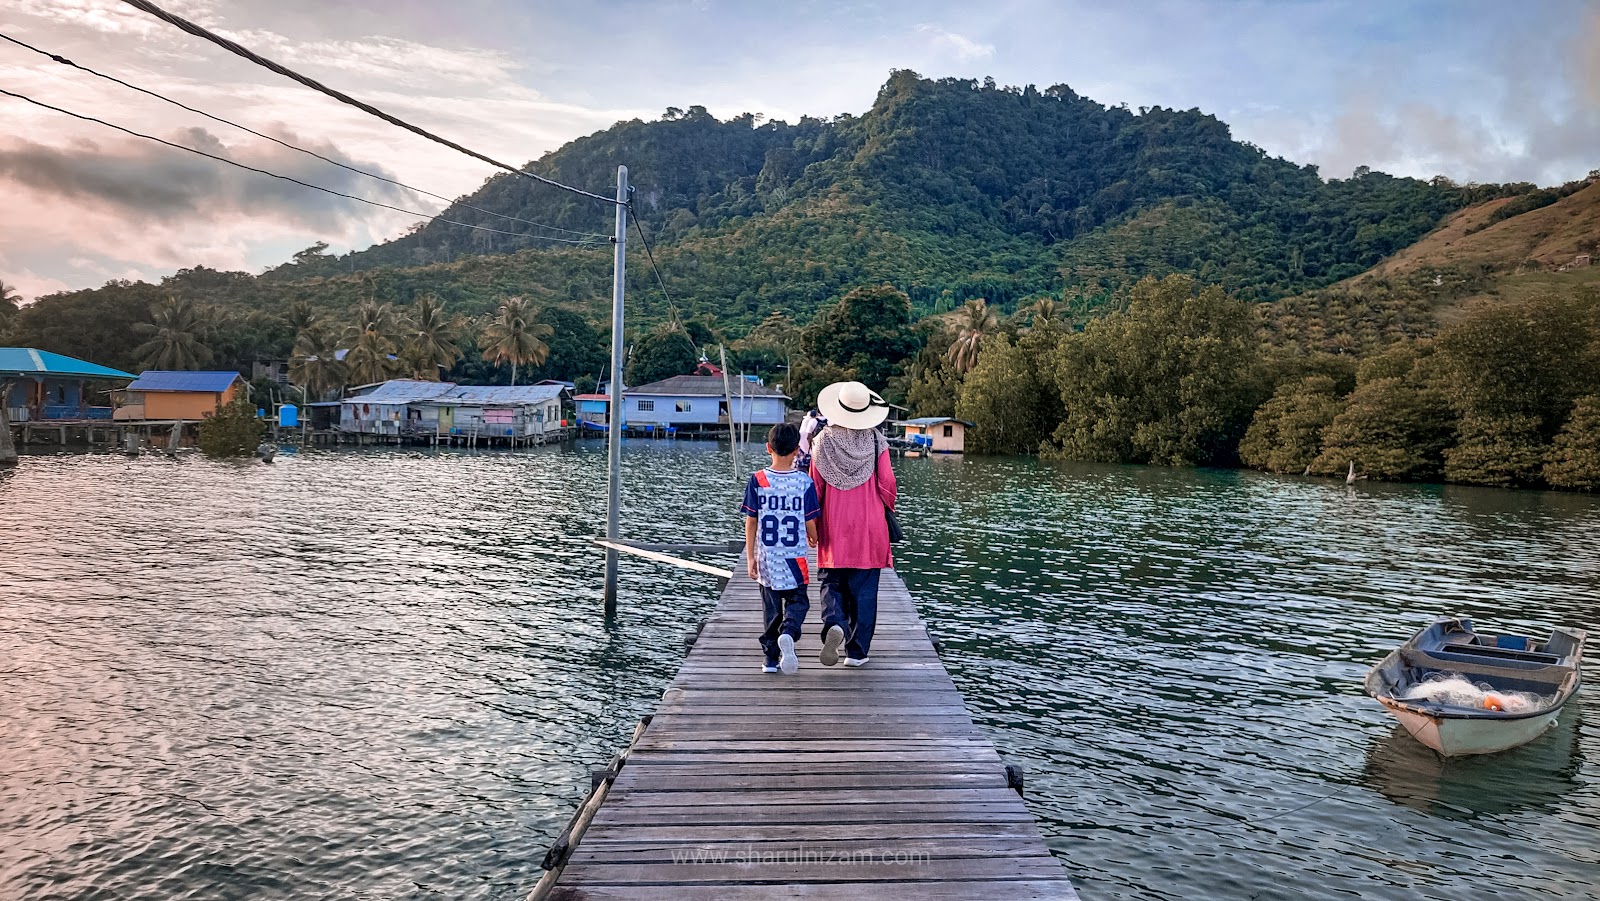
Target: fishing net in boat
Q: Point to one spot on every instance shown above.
(1459, 691)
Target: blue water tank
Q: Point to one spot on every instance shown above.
(288, 416)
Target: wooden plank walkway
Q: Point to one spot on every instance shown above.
(837, 782)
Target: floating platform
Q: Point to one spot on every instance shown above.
(837, 783)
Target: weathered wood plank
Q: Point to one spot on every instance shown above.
(806, 764)
(812, 693)
(744, 810)
(945, 847)
(966, 890)
(839, 799)
(875, 865)
(963, 746)
(859, 781)
(790, 833)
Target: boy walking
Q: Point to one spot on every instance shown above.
(780, 506)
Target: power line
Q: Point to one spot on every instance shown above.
(672, 308)
(67, 62)
(639, 227)
(315, 85)
(222, 159)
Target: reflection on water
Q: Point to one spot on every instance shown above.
(383, 674)
(1539, 777)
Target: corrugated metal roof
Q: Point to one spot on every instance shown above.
(21, 361)
(413, 391)
(700, 386)
(933, 420)
(496, 395)
(402, 391)
(201, 382)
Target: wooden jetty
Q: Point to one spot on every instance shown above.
(838, 782)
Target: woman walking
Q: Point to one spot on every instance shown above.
(855, 483)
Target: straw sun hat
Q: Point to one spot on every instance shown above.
(852, 405)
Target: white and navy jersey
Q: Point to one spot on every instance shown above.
(782, 502)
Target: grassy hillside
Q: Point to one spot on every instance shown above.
(1501, 250)
(1484, 235)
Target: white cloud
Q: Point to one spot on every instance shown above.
(1336, 82)
(964, 48)
(111, 17)
(387, 59)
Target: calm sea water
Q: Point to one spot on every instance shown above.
(384, 674)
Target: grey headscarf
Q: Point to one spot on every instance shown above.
(846, 458)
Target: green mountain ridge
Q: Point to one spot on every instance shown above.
(948, 189)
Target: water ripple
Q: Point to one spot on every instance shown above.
(1176, 657)
(384, 675)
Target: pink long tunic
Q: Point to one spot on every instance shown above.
(853, 534)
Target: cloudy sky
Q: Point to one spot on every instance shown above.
(1479, 90)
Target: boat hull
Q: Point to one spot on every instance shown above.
(1461, 736)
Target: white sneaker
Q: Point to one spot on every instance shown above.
(789, 663)
(768, 668)
(832, 639)
(856, 661)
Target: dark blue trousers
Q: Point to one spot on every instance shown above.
(785, 612)
(850, 601)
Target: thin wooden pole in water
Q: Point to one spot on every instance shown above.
(733, 428)
(614, 433)
(8, 449)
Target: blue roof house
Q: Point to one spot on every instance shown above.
(171, 395)
(37, 385)
(937, 434)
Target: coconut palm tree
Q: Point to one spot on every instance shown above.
(975, 323)
(10, 302)
(176, 336)
(1045, 314)
(432, 338)
(370, 343)
(512, 336)
(315, 365)
(300, 316)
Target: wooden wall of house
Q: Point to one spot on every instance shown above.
(954, 443)
(759, 410)
(702, 410)
(187, 405)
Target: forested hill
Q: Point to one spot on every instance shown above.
(949, 189)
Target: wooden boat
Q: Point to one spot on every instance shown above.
(1514, 685)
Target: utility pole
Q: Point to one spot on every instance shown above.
(614, 425)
